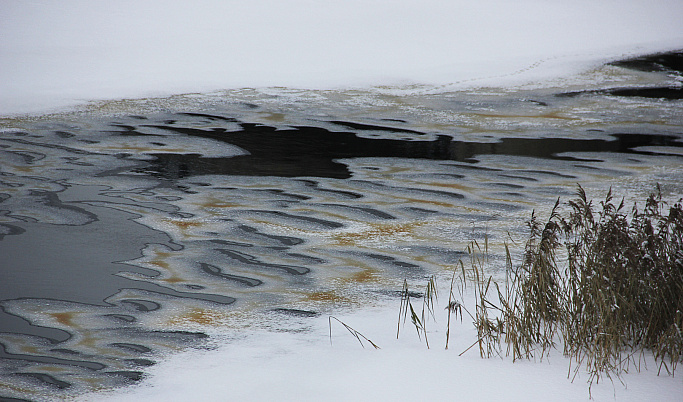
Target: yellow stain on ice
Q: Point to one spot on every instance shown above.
(327, 296)
(184, 224)
(549, 115)
(364, 276)
(450, 185)
(24, 169)
(30, 349)
(274, 117)
(163, 254)
(165, 266)
(159, 263)
(174, 279)
(88, 341)
(376, 231)
(218, 204)
(199, 316)
(430, 202)
(64, 318)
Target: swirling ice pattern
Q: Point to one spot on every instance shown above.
(121, 235)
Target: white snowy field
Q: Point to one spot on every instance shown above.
(290, 359)
(56, 54)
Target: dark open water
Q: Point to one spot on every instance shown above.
(130, 228)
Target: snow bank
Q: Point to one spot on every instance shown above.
(304, 366)
(55, 54)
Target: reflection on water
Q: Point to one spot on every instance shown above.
(129, 229)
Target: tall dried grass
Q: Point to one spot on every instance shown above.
(617, 292)
(605, 284)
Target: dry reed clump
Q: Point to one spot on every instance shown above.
(616, 292)
(613, 292)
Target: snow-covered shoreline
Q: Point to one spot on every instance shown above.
(55, 55)
(293, 359)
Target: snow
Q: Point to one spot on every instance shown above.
(57, 54)
(297, 362)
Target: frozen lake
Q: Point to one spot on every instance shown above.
(129, 230)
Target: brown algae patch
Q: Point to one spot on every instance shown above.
(376, 232)
(213, 204)
(429, 202)
(174, 279)
(34, 350)
(364, 276)
(205, 319)
(51, 369)
(159, 264)
(162, 261)
(200, 316)
(88, 341)
(64, 318)
(273, 117)
(219, 205)
(451, 185)
(24, 169)
(184, 225)
(327, 296)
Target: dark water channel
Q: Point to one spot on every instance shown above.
(313, 151)
(119, 230)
